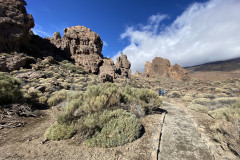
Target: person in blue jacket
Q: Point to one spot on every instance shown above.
(161, 92)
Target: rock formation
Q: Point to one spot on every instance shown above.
(162, 67)
(123, 66)
(108, 68)
(15, 25)
(109, 71)
(84, 45)
(137, 73)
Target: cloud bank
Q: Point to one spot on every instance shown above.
(205, 32)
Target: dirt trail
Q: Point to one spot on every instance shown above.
(180, 139)
(26, 142)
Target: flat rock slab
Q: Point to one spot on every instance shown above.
(180, 139)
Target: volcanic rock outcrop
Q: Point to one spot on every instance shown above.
(162, 67)
(84, 45)
(123, 66)
(15, 25)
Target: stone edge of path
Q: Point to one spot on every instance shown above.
(215, 148)
(157, 139)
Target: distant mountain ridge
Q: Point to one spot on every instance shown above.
(219, 70)
(227, 65)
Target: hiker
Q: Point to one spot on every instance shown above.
(161, 92)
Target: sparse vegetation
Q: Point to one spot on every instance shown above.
(227, 123)
(111, 128)
(102, 113)
(57, 97)
(187, 98)
(174, 94)
(202, 101)
(198, 108)
(9, 89)
(71, 67)
(60, 131)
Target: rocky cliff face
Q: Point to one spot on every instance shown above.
(162, 67)
(84, 45)
(15, 24)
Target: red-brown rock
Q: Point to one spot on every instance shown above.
(84, 45)
(108, 68)
(162, 67)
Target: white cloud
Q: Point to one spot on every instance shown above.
(38, 30)
(205, 32)
(105, 44)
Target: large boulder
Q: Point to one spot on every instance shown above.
(84, 45)
(162, 67)
(15, 25)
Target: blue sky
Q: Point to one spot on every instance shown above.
(144, 29)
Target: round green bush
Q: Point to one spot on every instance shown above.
(117, 128)
(9, 89)
(60, 131)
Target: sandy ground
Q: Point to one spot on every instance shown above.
(26, 142)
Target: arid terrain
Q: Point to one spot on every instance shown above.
(220, 70)
(60, 98)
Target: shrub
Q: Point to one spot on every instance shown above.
(230, 114)
(187, 98)
(60, 131)
(226, 127)
(226, 100)
(42, 99)
(210, 96)
(112, 128)
(100, 97)
(237, 104)
(174, 94)
(57, 97)
(221, 90)
(71, 67)
(199, 96)
(141, 101)
(198, 108)
(101, 113)
(66, 116)
(202, 101)
(9, 89)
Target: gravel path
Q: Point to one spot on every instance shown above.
(180, 140)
